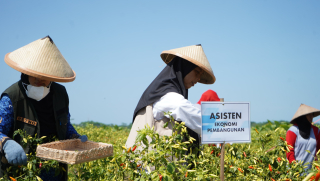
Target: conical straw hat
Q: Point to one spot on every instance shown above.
(194, 54)
(41, 59)
(304, 110)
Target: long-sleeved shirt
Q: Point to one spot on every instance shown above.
(300, 145)
(181, 109)
(7, 120)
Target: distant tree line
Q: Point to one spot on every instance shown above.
(98, 124)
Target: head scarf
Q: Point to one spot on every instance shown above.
(44, 110)
(170, 79)
(209, 95)
(304, 126)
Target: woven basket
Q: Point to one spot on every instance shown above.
(74, 151)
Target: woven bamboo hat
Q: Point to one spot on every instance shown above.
(194, 54)
(304, 110)
(41, 59)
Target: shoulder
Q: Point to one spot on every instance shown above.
(5, 100)
(173, 99)
(315, 129)
(58, 87)
(173, 96)
(13, 92)
(12, 89)
(294, 129)
(170, 100)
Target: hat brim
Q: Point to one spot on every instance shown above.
(316, 113)
(36, 74)
(206, 78)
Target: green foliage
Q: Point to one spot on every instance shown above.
(35, 165)
(164, 157)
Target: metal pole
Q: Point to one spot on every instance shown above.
(222, 156)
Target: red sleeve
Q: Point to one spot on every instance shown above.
(317, 135)
(291, 140)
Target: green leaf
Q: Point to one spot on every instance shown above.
(170, 168)
(39, 179)
(154, 176)
(308, 151)
(25, 140)
(167, 178)
(166, 124)
(145, 141)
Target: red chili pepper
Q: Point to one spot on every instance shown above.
(244, 153)
(273, 179)
(138, 165)
(129, 149)
(312, 178)
(186, 175)
(121, 164)
(13, 179)
(240, 170)
(270, 168)
(211, 152)
(279, 159)
(40, 165)
(317, 176)
(160, 177)
(218, 154)
(318, 168)
(281, 138)
(134, 148)
(251, 167)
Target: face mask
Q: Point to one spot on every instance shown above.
(37, 93)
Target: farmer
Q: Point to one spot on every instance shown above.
(169, 92)
(36, 103)
(303, 135)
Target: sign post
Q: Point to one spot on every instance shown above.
(222, 156)
(225, 122)
(222, 162)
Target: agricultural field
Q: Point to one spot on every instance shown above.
(262, 159)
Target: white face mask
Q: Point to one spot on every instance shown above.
(37, 93)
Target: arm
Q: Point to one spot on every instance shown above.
(291, 140)
(181, 108)
(6, 119)
(13, 152)
(316, 131)
(71, 132)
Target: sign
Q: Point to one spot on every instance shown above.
(225, 122)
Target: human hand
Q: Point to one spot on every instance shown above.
(83, 138)
(14, 153)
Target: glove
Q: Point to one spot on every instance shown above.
(14, 153)
(83, 138)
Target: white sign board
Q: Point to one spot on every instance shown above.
(225, 121)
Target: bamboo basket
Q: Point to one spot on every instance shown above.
(74, 151)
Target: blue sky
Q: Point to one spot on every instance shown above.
(263, 52)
